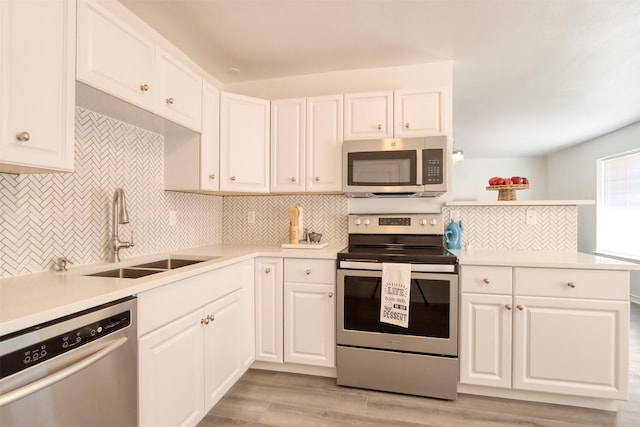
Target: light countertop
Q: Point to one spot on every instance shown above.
(541, 259)
(31, 299)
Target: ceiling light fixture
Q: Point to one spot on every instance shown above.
(457, 156)
(233, 70)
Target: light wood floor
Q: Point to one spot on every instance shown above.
(265, 398)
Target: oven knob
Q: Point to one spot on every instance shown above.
(367, 222)
(358, 222)
(423, 221)
(433, 222)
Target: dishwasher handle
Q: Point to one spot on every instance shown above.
(49, 380)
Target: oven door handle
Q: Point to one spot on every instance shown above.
(49, 380)
(415, 268)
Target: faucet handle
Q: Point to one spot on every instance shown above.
(60, 263)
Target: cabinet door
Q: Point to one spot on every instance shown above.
(171, 376)
(269, 297)
(324, 143)
(419, 113)
(288, 145)
(571, 346)
(309, 324)
(485, 339)
(210, 139)
(179, 94)
(37, 85)
(223, 346)
(244, 143)
(368, 115)
(113, 57)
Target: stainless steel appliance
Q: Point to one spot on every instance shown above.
(395, 167)
(80, 370)
(421, 359)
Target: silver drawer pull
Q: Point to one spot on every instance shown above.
(23, 136)
(267, 270)
(308, 272)
(212, 176)
(486, 280)
(571, 285)
(169, 101)
(330, 294)
(379, 127)
(507, 306)
(520, 307)
(144, 88)
(204, 321)
(211, 317)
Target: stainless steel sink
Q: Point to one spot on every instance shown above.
(170, 263)
(148, 268)
(127, 273)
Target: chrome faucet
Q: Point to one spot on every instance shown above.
(119, 215)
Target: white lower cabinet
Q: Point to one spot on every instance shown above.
(171, 374)
(268, 294)
(309, 312)
(309, 332)
(295, 311)
(561, 331)
(191, 354)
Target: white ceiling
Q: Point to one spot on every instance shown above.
(529, 76)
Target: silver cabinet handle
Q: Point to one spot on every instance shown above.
(233, 178)
(169, 101)
(520, 307)
(379, 126)
(486, 280)
(144, 88)
(308, 272)
(45, 382)
(330, 294)
(571, 285)
(507, 306)
(211, 317)
(204, 321)
(267, 270)
(317, 178)
(407, 125)
(212, 176)
(293, 179)
(23, 136)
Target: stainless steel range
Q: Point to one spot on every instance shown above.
(421, 358)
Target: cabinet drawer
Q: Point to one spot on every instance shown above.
(300, 270)
(572, 283)
(485, 279)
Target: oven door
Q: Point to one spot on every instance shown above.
(433, 313)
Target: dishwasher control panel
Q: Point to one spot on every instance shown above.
(47, 349)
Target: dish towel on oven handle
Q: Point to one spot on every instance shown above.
(395, 295)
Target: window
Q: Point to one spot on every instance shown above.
(618, 206)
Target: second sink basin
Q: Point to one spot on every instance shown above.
(169, 264)
(126, 273)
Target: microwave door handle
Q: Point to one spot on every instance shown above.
(419, 169)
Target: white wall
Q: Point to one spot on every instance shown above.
(470, 178)
(571, 174)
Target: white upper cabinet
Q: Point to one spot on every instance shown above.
(368, 115)
(118, 60)
(288, 136)
(113, 57)
(419, 113)
(179, 95)
(210, 139)
(244, 143)
(37, 85)
(324, 144)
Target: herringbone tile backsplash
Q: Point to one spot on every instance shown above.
(505, 227)
(49, 215)
(326, 214)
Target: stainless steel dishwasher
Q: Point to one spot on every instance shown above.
(80, 370)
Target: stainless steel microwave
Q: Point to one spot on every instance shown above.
(395, 167)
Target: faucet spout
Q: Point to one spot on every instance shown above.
(119, 215)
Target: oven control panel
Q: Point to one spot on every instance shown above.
(396, 224)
